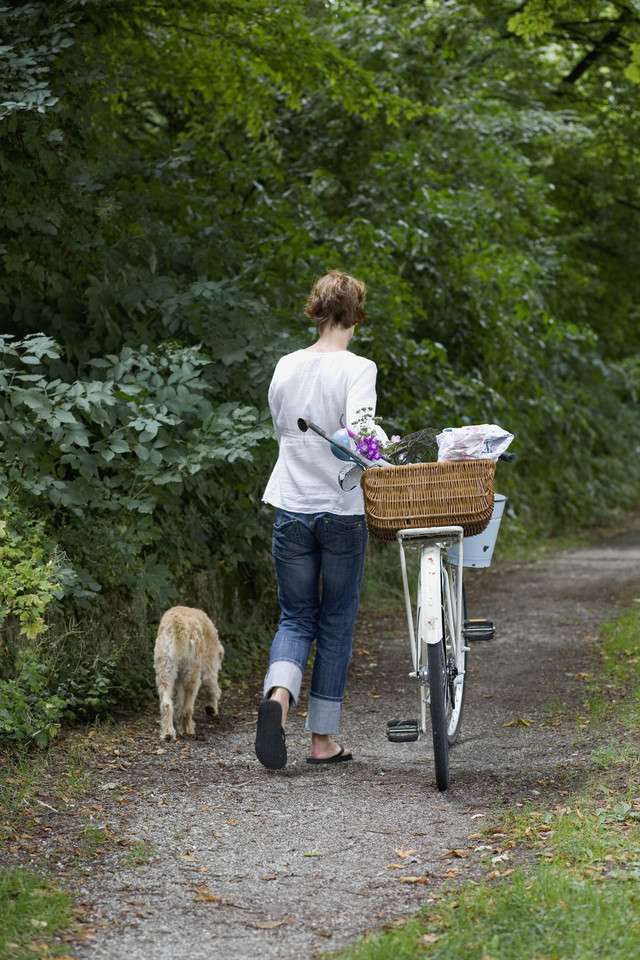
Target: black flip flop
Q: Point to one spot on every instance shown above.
(339, 757)
(271, 747)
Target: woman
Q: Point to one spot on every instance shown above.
(319, 534)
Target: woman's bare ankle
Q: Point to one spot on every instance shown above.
(282, 696)
(323, 745)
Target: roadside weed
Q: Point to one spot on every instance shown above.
(20, 776)
(140, 853)
(614, 756)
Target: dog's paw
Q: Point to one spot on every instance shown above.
(211, 710)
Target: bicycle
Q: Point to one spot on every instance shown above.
(402, 503)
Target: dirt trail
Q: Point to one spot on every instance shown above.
(203, 854)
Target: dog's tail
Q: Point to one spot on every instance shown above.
(182, 636)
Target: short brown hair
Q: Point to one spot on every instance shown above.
(337, 299)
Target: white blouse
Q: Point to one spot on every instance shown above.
(321, 387)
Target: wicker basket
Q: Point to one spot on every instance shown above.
(451, 493)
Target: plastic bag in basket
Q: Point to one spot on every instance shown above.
(483, 441)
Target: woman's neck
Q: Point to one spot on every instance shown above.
(331, 340)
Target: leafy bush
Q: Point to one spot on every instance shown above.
(110, 463)
(60, 682)
(29, 712)
(29, 574)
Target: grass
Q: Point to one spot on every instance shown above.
(62, 767)
(571, 887)
(32, 907)
(32, 910)
(140, 854)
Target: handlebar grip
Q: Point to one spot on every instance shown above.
(507, 457)
(303, 425)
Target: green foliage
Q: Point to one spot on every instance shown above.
(117, 449)
(607, 31)
(29, 712)
(66, 680)
(28, 575)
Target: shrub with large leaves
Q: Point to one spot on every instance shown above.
(102, 459)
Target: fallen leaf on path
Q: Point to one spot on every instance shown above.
(314, 853)
(413, 880)
(456, 853)
(429, 938)
(404, 853)
(395, 866)
(203, 896)
(520, 722)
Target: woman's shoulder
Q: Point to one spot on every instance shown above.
(290, 359)
(358, 363)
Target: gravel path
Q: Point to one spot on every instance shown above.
(192, 850)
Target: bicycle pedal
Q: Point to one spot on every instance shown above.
(403, 731)
(474, 630)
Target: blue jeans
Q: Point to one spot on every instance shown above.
(319, 561)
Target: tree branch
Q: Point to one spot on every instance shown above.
(609, 39)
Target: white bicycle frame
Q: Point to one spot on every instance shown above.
(431, 542)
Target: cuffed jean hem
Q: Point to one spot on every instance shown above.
(284, 673)
(323, 716)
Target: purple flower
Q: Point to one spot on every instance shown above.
(369, 448)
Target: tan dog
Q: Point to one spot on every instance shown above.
(188, 652)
